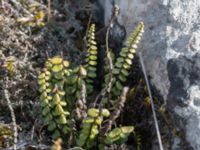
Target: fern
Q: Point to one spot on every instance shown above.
(124, 61)
(90, 128)
(52, 97)
(119, 135)
(73, 81)
(81, 94)
(64, 97)
(138, 140)
(91, 59)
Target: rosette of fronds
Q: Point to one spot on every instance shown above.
(52, 97)
(90, 129)
(64, 96)
(123, 63)
(91, 59)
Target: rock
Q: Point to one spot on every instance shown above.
(170, 47)
(184, 95)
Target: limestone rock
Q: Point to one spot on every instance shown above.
(171, 47)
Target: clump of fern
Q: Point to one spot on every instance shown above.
(69, 110)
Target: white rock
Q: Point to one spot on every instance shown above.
(171, 47)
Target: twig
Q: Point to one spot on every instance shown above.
(117, 108)
(115, 11)
(108, 87)
(33, 130)
(152, 103)
(7, 97)
(49, 10)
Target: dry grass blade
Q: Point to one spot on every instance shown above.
(7, 97)
(152, 103)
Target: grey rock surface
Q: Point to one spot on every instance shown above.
(171, 47)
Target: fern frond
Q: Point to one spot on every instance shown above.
(46, 99)
(118, 134)
(90, 128)
(124, 61)
(91, 59)
(53, 100)
(81, 94)
(138, 140)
